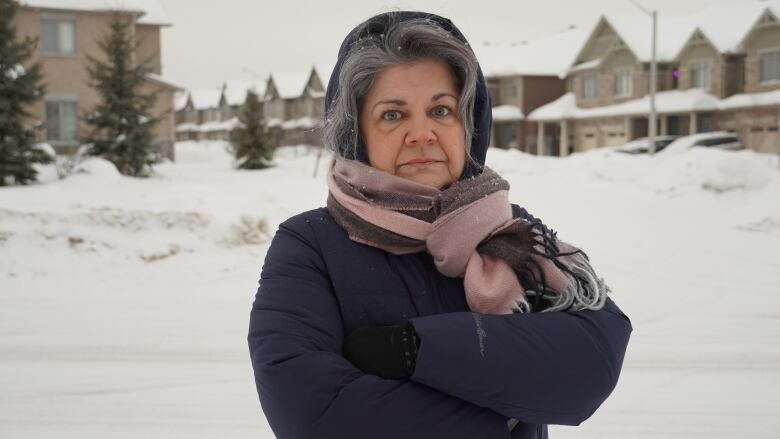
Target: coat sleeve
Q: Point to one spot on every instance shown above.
(538, 368)
(543, 368)
(308, 389)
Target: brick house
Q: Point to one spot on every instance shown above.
(521, 77)
(714, 67)
(68, 32)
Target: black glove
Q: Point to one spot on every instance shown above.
(385, 351)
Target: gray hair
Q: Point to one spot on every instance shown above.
(404, 42)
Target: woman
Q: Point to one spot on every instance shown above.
(420, 303)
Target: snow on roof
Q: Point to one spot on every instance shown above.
(559, 109)
(290, 85)
(236, 90)
(587, 65)
(205, 98)
(636, 30)
(766, 99)
(152, 11)
(507, 113)
(547, 56)
(324, 71)
(180, 101)
(666, 102)
(727, 24)
(159, 79)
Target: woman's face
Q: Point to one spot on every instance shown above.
(410, 123)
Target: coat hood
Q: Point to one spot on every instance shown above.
(482, 108)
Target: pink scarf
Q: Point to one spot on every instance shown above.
(469, 230)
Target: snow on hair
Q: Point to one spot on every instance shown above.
(402, 42)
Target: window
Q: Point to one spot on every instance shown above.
(510, 88)
(590, 86)
(770, 66)
(623, 83)
(705, 123)
(62, 121)
(59, 35)
(700, 74)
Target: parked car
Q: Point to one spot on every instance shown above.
(642, 145)
(721, 140)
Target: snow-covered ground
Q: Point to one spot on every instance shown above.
(124, 302)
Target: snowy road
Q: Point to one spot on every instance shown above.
(124, 303)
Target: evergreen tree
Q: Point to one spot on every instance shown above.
(20, 86)
(122, 121)
(250, 141)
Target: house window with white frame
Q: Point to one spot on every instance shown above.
(770, 66)
(62, 120)
(701, 74)
(624, 83)
(590, 87)
(58, 35)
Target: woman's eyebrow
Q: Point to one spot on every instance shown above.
(398, 102)
(438, 96)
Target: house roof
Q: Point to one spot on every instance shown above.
(324, 71)
(507, 113)
(204, 98)
(550, 55)
(666, 102)
(180, 100)
(152, 11)
(749, 100)
(236, 90)
(726, 25)
(165, 82)
(290, 85)
(636, 30)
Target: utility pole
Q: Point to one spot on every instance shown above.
(653, 119)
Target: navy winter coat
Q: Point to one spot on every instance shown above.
(473, 371)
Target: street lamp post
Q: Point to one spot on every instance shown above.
(653, 120)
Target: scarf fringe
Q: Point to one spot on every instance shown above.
(584, 290)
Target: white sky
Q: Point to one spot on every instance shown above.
(212, 41)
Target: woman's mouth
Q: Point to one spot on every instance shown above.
(420, 162)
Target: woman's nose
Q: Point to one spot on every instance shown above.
(420, 133)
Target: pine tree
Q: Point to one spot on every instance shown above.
(20, 86)
(122, 121)
(250, 141)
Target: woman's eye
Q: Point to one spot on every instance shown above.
(441, 111)
(391, 115)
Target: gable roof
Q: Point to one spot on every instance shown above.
(235, 90)
(550, 55)
(636, 31)
(289, 85)
(151, 12)
(205, 98)
(725, 25)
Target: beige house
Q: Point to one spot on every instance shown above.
(68, 33)
(211, 113)
(718, 70)
(294, 106)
